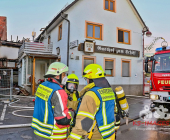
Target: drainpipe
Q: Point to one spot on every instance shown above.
(143, 67)
(68, 39)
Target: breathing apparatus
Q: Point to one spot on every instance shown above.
(122, 104)
(71, 87)
(72, 84)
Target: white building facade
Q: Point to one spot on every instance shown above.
(105, 32)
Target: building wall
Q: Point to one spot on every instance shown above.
(3, 28)
(123, 18)
(60, 43)
(5, 52)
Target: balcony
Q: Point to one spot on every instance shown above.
(35, 48)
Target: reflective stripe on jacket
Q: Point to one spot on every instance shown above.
(45, 114)
(105, 115)
(86, 115)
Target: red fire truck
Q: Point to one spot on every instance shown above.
(160, 77)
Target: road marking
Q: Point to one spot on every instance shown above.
(14, 113)
(3, 112)
(137, 96)
(15, 125)
(134, 99)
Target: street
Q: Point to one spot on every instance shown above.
(133, 131)
(140, 130)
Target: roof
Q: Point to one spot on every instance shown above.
(59, 15)
(72, 4)
(10, 43)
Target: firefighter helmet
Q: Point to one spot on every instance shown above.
(72, 78)
(93, 71)
(56, 68)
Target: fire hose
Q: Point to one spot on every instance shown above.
(22, 108)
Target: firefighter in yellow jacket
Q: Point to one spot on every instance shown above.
(97, 106)
(71, 90)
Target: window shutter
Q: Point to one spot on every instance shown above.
(108, 65)
(87, 62)
(125, 69)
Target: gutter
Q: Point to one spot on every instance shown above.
(68, 39)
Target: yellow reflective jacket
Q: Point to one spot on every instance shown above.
(89, 104)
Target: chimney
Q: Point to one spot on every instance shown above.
(3, 28)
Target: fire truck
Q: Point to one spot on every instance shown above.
(160, 77)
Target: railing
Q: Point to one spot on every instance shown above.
(35, 48)
(6, 82)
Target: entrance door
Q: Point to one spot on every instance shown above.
(39, 71)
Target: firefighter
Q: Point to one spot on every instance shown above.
(97, 106)
(117, 118)
(51, 117)
(71, 90)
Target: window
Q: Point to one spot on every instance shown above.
(11, 64)
(109, 66)
(161, 63)
(126, 68)
(110, 5)
(93, 31)
(124, 36)
(60, 32)
(86, 60)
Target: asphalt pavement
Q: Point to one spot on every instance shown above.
(20, 113)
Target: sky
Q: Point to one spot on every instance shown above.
(25, 16)
(155, 14)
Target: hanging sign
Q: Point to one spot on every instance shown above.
(89, 47)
